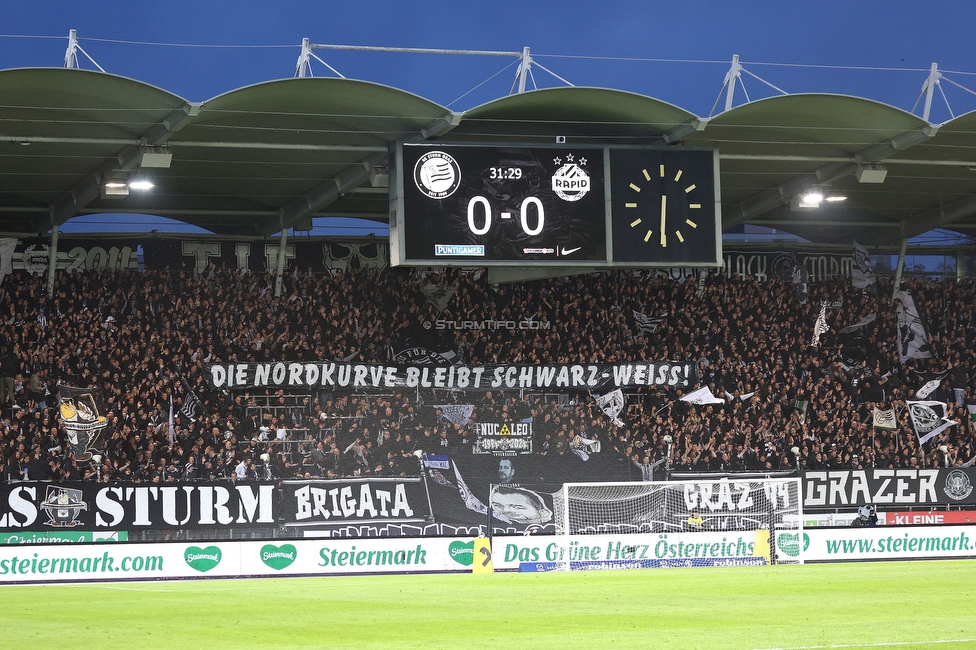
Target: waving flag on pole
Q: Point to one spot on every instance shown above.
(192, 406)
(928, 419)
(648, 324)
(612, 404)
(702, 396)
(171, 435)
(861, 273)
(885, 419)
(7, 247)
(819, 327)
(913, 340)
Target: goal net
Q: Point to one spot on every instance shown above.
(707, 522)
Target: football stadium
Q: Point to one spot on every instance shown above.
(614, 374)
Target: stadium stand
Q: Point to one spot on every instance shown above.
(144, 337)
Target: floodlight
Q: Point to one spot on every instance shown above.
(141, 185)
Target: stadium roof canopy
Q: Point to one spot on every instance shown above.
(272, 155)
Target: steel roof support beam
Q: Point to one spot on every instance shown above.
(86, 190)
(323, 194)
(945, 215)
(824, 175)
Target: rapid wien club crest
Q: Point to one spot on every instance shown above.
(570, 182)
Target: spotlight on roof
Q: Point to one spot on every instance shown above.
(835, 198)
(811, 199)
(114, 188)
(141, 185)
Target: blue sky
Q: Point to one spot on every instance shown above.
(675, 51)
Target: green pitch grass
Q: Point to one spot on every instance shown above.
(904, 604)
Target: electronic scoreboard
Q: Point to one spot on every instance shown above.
(563, 205)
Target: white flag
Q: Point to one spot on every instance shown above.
(439, 296)
(7, 246)
(867, 320)
(702, 396)
(612, 404)
(819, 327)
(927, 388)
(928, 419)
(649, 323)
(885, 419)
(172, 431)
(801, 278)
(913, 340)
(456, 413)
(861, 273)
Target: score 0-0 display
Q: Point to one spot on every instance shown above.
(485, 205)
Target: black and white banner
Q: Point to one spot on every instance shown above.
(867, 320)
(502, 438)
(913, 339)
(889, 487)
(355, 501)
(84, 418)
(885, 419)
(612, 404)
(368, 377)
(928, 419)
(7, 247)
(648, 324)
(820, 326)
(97, 506)
(458, 414)
(861, 273)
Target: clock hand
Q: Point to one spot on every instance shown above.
(664, 216)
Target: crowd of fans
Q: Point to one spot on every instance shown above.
(144, 337)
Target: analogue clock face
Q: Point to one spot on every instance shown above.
(663, 207)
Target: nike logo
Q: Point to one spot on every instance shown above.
(569, 251)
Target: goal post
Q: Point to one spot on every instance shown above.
(705, 522)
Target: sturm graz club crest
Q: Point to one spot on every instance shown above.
(62, 506)
(957, 485)
(437, 174)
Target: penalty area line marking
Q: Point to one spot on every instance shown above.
(883, 644)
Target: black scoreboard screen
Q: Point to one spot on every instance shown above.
(480, 205)
(477, 204)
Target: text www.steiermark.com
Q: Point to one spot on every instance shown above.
(104, 563)
(900, 544)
